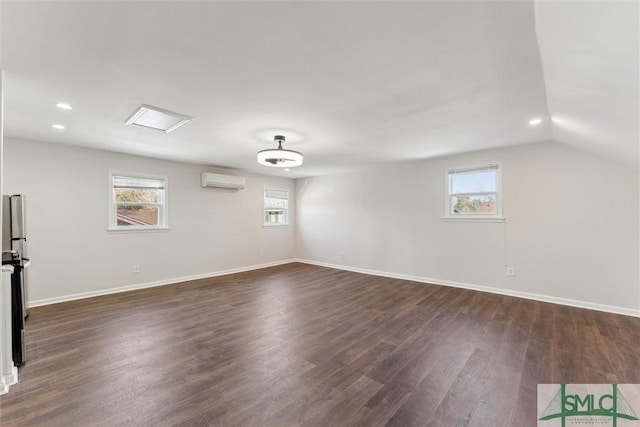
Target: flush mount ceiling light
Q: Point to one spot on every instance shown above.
(58, 126)
(279, 157)
(157, 118)
(64, 106)
(535, 122)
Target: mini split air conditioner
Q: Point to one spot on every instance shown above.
(222, 181)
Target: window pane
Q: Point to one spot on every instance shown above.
(137, 195)
(473, 204)
(474, 181)
(128, 215)
(270, 202)
(276, 204)
(274, 216)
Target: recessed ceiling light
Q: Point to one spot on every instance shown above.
(64, 106)
(157, 118)
(535, 122)
(58, 126)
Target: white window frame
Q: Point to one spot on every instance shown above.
(286, 211)
(163, 211)
(474, 217)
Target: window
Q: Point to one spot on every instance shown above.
(474, 193)
(276, 207)
(137, 202)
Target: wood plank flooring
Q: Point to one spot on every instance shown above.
(305, 345)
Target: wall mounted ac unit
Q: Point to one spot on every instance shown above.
(222, 181)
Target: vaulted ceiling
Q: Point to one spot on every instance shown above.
(348, 83)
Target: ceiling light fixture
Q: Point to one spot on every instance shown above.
(535, 122)
(64, 106)
(58, 126)
(279, 157)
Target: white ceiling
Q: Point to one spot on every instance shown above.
(348, 83)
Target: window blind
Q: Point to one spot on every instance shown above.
(133, 182)
(276, 194)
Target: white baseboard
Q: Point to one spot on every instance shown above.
(90, 294)
(537, 297)
(9, 380)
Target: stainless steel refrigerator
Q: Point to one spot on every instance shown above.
(14, 252)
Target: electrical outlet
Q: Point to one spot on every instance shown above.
(341, 255)
(511, 271)
(261, 253)
(136, 269)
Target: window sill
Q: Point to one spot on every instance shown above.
(474, 218)
(118, 230)
(274, 225)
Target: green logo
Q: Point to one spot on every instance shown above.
(608, 406)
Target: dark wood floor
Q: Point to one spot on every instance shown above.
(300, 344)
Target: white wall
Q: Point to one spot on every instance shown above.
(67, 212)
(571, 230)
